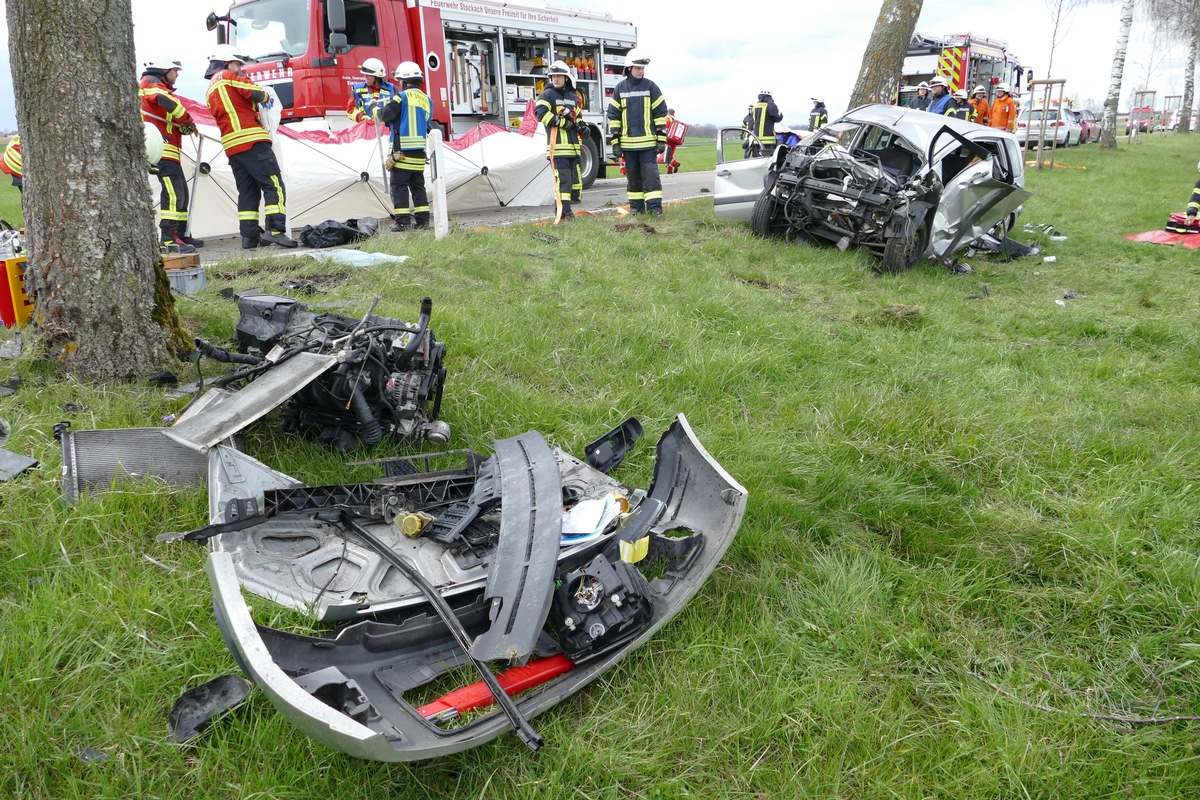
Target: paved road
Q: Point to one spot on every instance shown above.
(604, 197)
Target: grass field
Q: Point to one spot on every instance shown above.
(968, 568)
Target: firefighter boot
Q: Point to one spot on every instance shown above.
(168, 242)
(401, 223)
(422, 223)
(567, 214)
(280, 238)
(181, 235)
(252, 237)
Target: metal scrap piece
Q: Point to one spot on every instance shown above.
(92, 459)
(202, 430)
(13, 464)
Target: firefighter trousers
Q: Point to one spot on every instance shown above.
(174, 198)
(256, 173)
(408, 179)
(569, 178)
(643, 183)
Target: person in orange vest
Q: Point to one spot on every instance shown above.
(234, 101)
(162, 109)
(11, 165)
(1003, 113)
(979, 105)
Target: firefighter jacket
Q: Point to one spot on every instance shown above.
(958, 108)
(818, 117)
(1193, 206)
(162, 109)
(1004, 113)
(233, 100)
(637, 114)
(11, 165)
(921, 103)
(938, 105)
(766, 114)
(559, 109)
(981, 110)
(361, 94)
(408, 113)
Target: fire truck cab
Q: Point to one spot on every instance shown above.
(483, 61)
(965, 60)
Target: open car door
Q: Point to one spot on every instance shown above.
(739, 179)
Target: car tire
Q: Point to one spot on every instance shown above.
(1067, 141)
(766, 206)
(589, 161)
(902, 253)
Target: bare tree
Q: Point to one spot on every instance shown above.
(883, 61)
(102, 304)
(1108, 124)
(1059, 10)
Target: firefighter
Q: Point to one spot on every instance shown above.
(235, 102)
(921, 101)
(1003, 113)
(11, 164)
(162, 109)
(748, 123)
(1193, 206)
(939, 99)
(764, 114)
(819, 116)
(980, 107)
(960, 106)
(637, 118)
(558, 109)
(375, 87)
(408, 113)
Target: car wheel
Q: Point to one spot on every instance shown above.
(589, 161)
(901, 253)
(1067, 141)
(766, 208)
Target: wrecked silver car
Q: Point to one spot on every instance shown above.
(902, 184)
(530, 562)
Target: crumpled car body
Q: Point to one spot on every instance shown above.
(553, 612)
(902, 184)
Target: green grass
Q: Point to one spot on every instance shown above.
(947, 491)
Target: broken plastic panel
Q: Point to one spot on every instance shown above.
(358, 689)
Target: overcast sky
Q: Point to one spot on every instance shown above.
(711, 68)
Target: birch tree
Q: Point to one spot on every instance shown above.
(1108, 122)
(102, 303)
(883, 60)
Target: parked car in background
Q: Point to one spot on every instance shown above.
(1061, 128)
(901, 184)
(1089, 125)
(1142, 116)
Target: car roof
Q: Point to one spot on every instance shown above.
(919, 127)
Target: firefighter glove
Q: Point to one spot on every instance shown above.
(390, 161)
(268, 103)
(661, 147)
(582, 128)
(187, 128)
(616, 147)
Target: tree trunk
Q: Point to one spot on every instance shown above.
(883, 61)
(94, 260)
(1189, 80)
(1108, 124)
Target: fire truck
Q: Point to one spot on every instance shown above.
(483, 61)
(965, 60)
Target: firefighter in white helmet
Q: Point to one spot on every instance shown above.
(558, 108)
(819, 116)
(764, 116)
(235, 101)
(921, 101)
(1003, 113)
(940, 98)
(409, 113)
(162, 109)
(637, 121)
(374, 86)
(979, 106)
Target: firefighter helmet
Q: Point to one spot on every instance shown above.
(818, 101)
(922, 85)
(635, 59)
(162, 64)
(1004, 87)
(226, 53)
(979, 90)
(373, 67)
(938, 80)
(767, 92)
(961, 94)
(559, 67)
(408, 71)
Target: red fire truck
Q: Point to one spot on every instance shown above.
(483, 61)
(965, 60)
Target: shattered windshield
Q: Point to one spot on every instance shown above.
(270, 27)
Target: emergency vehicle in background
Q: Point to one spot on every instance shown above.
(965, 60)
(482, 61)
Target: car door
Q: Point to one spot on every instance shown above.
(976, 197)
(739, 179)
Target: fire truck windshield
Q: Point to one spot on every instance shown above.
(263, 28)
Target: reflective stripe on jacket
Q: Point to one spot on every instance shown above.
(408, 113)
(1003, 113)
(361, 94)
(11, 165)
(162, 109)
(637, 114)
(233, 100)
(555, 104)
